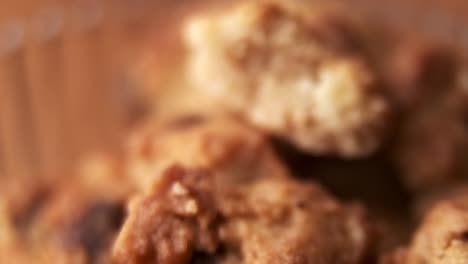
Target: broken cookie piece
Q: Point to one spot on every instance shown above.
(299, 73)
(193, 215)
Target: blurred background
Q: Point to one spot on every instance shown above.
(66, 87)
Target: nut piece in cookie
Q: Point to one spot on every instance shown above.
(193, 215)
(298, 73)
(224, 144)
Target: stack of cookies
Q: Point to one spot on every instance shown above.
(294, 134)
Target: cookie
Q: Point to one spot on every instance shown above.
(298, 73)
(195, 215)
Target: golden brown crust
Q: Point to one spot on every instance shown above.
(192, 214)
(296, 73)
(175, 219)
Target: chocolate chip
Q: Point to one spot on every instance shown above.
(96, 228)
